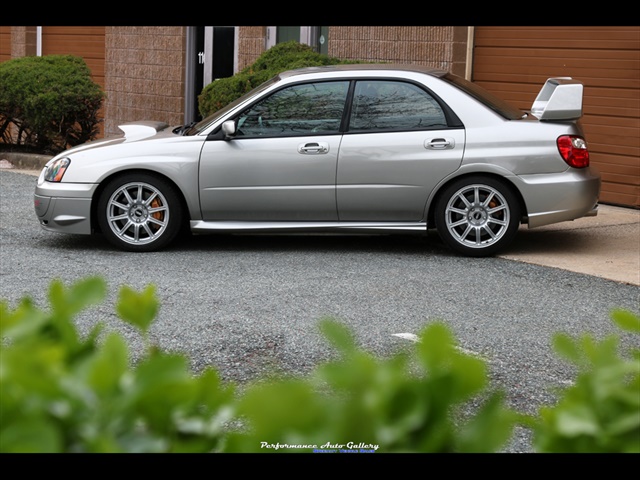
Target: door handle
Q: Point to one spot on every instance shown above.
(313, 148)
(439, 143)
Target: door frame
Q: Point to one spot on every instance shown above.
(200, 56)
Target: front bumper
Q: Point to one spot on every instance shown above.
(64, 207)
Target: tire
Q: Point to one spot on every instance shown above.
(477, 216)
(139, 212)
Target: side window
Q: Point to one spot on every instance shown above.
(306, 109)
(391, 105)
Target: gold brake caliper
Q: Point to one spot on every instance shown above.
(157, 215)
(494, 204)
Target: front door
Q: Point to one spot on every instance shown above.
(270, 179)
(281, 165)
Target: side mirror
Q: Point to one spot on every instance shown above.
(229, 129)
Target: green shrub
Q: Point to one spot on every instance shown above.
(600, 411)
(401, 404)
(49, 103)
(225, 90)
(63, 393)
(280, 57)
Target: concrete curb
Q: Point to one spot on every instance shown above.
(24, 161)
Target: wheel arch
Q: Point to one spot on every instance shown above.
(105, 181)
(506, 181)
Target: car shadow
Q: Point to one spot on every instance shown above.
(526, 242)
(405, 244)
(408, 244)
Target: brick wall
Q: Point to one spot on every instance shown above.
(144, 75)
(23, 41)
(434, 46)
(437, 46)
(251, 44)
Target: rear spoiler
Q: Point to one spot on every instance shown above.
(559, 99)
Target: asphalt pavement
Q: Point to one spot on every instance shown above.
(606, 246)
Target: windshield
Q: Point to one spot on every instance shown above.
(206, 122)
(496, 104)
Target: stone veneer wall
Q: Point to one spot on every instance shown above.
(23, 41)
(437, 46)
(251, 44)
(144, 75)
(442, 47)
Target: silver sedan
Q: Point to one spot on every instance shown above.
(377, 149)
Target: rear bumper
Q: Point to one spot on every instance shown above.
(553, 198)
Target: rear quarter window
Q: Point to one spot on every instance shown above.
(498, 105)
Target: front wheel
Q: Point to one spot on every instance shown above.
(139, 212)
(477, 216)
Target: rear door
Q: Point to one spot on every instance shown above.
(398, 147)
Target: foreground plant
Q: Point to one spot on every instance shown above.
(64, 393)
(362, 404)
(600, 411)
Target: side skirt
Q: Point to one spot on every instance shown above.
(200, 226)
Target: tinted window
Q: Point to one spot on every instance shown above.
(307, 109)
(392, 105)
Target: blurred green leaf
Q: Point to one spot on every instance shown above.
(31, 435)
(626, 320)
(109, 365)
(23, 322)
(566, 347)
(490, 429)
(138, 309)
(338, 335)
(600, 411)
(577, 420)
(68, 302)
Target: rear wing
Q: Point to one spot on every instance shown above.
(559, 99)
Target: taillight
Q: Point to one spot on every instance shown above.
(573, 151)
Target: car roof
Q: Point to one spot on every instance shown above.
(364, 67)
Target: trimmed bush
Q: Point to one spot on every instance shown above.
(280, 57)
(48, 104)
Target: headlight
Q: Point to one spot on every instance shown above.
(56, 170)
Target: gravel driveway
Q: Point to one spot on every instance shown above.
(248, 304)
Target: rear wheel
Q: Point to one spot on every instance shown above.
(139, 212)
(477, 216)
